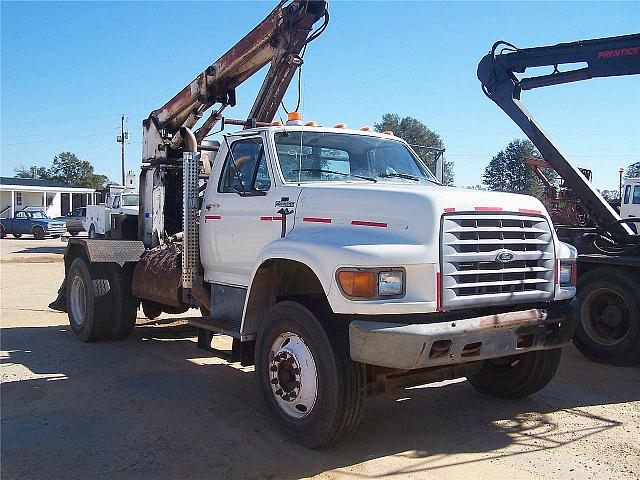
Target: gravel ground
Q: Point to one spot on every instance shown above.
(153, 406)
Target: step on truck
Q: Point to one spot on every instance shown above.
(334, 259)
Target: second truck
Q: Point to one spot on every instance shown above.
(339, 265)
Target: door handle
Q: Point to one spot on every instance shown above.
(212, 205)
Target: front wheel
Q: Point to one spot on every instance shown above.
(92, 231)
(307, 382)
(38, 233)
(516, 376)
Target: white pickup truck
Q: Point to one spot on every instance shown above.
(99, 218)
(341, 268)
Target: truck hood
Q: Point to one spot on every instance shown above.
(401, 209)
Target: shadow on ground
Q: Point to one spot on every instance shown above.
(151, 406)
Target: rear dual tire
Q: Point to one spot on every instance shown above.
(100, 304)
(308, 384)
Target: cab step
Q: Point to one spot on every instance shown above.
(208, 327)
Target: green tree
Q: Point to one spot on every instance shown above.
(633, 170)
(23, 172)
(414, 132)
(507, 171)
(68, 168)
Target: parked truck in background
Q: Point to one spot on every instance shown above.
(608, 327)
(30, 221)
(121, 205)
(339, 265)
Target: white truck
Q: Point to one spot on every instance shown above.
(100, 218)
(339, 265)
(630, 204)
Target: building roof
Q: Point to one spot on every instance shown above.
(36, 182)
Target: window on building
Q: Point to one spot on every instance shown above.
(19, 199)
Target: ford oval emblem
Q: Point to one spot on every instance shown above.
(504, 256)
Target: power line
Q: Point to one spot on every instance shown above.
(60, 138)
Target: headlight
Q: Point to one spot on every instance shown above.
(391, 283)
(568, 273)
(370, 284)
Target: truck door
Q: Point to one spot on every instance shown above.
(21, 223)
(237, 213)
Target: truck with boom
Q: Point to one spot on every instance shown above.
(608, 274)
(335, 260)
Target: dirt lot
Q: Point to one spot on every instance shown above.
(153, 406)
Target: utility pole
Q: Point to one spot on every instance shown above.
(121, 139)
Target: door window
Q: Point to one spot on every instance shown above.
(245, 168)
(627, 194)
(636, 195)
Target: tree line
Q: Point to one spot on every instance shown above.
(67, 168)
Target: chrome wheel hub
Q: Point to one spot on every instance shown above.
(78, 301)
(293, 375)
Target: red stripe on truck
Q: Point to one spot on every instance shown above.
(533, 212)
(316, 220)
(369, 224)
(488, 209)
(212, 217)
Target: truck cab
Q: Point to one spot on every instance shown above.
(630, 204)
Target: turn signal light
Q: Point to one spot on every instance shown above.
(340, 125)
(358, 284)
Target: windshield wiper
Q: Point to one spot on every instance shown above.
(322, 170)
(399, 175)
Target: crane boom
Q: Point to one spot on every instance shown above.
(605, 57)
(279, 39)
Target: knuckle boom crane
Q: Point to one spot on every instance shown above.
(609, 326)
(280, 39)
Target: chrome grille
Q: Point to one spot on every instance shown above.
(472, 275)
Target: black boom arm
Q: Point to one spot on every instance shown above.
(605, 57)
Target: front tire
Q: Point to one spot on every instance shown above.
(608, 327)
(38, 233)
(516, 376)
(307, 382)
(92, 231)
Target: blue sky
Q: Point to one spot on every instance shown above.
(70, 69)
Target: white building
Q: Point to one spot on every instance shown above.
(56, 198)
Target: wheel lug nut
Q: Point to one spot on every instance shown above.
(274, 381)
(279, 392)
(273, 368)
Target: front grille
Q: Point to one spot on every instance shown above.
(56, 229)
(472, 275)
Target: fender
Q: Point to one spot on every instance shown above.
(326, 249)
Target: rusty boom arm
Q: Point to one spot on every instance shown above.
(279, 38)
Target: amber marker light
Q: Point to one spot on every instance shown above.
(340, 125)
(358, 284)
(276, 123)
(292, 116)
(311, 124)
(388, 132)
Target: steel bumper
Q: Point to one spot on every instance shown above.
(411, 346)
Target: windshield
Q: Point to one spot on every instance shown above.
(130, 200)
(321, 157)
(37, 215)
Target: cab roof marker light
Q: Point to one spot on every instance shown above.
(276, 123)
(294, 118)
(366, 129)
(311, 124)
(340, 125)
(388, 132)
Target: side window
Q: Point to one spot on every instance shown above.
(245, 168)
(21, 215)
(627, 194)
(636, 195)
(116, 202)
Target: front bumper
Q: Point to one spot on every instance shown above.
(411, 346)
